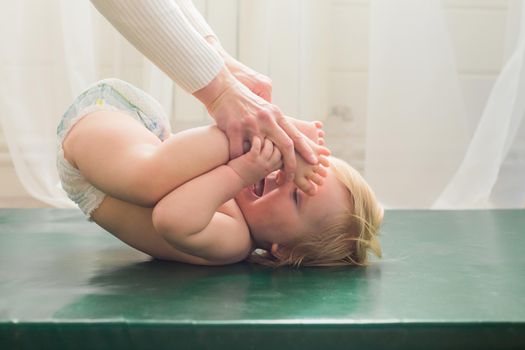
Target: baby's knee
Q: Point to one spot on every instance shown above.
(145, 184)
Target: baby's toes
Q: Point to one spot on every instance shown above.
(318, 124)
(317, 179)
(322, 150)
(321, 171)
(324, 161)
(305, 185)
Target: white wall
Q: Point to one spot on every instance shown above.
(477, 32)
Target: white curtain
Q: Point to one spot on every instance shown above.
(416, 119)
(420, 151)
(423, 148)
(492, 173)
(289, 41)
(50, 52)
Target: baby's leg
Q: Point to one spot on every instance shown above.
(123, 159)
(133, 225)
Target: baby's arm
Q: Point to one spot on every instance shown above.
(188, 216)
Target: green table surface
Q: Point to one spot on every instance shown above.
(448, 279)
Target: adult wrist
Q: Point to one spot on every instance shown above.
(215, 43)
(215, 88)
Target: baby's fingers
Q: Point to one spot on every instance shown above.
(276, 160)
(276, 155)
(256, 145)
(267, 149)
(280, 178)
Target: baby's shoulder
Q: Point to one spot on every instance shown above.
(231, 208)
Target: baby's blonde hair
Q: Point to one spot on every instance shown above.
(344, 239)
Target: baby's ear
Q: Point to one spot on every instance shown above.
(279, 251)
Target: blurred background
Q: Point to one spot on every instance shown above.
(423, 97)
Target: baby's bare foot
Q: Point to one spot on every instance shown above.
(307, 128)
(307, 176)
(320, 132)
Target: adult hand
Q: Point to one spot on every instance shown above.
(258, 83)
(241, 114)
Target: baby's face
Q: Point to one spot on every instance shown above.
(282, 214)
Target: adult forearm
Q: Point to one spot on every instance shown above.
(160, 30)
(195, 18)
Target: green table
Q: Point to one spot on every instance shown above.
(449, 279)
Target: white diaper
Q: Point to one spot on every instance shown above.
(107, 94)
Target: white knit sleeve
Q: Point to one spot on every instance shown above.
(195, 18)
(159, 29)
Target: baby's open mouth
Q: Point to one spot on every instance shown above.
(258, 188)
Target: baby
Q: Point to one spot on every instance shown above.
(179, 196)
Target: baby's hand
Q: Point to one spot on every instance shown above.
(262, 159)
(307, 176)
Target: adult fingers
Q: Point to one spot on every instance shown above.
(281, 139)
(266, 94)
(299, 141)
(236, 139)
(264, 87)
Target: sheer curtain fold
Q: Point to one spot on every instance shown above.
(288, 40)
(416, 128)
(51, 52)
(33, 88)
(475, 184)
(419, 152)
